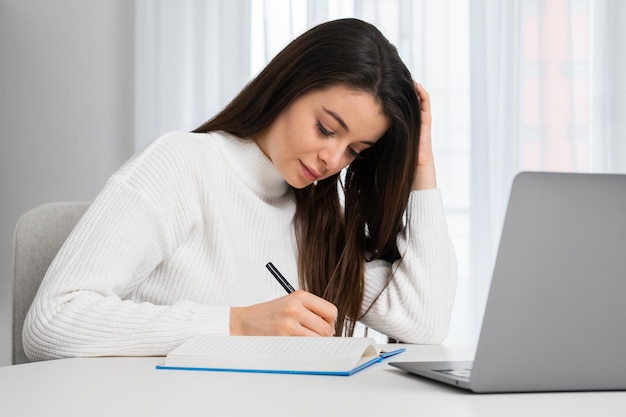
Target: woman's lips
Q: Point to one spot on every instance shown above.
(309, 173)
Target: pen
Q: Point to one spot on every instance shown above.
(280, 278)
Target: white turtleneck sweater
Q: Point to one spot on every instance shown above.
(183, 231)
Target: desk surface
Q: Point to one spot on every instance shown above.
(133, 387)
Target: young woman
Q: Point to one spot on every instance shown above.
(322, 165)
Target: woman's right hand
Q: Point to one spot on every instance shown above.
(297, 314)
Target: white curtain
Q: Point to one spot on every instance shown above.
(191, 57)
(515, 85)
(547, 94)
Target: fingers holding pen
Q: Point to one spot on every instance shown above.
(297, 314)
(318, 308)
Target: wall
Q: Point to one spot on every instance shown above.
(66, 111)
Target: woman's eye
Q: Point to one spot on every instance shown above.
(323, 130)
(327, 133)
(355, 154)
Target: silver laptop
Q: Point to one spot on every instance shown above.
(555, 318)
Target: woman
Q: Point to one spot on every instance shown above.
(176, 243)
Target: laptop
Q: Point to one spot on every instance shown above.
(555, 318)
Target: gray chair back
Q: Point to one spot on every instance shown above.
(39, 234)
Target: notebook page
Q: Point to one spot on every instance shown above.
(273, 352)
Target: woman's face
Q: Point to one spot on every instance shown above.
(321, 132)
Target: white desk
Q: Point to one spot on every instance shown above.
(133, 387)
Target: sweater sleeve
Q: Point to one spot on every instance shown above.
(416, 305)
(83, 306)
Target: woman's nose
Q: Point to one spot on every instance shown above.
(333, 157)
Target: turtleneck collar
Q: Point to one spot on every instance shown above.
(251, 165)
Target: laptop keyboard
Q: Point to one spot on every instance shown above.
(457, 373)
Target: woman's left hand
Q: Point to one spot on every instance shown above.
(425, 176)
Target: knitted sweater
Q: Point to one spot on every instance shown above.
(183, 231)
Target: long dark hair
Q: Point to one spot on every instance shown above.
(335, 242)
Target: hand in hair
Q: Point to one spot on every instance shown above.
(425, 176)
(298, 314)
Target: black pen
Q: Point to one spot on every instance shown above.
(280, 278)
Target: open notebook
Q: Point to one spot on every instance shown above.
(277, 354)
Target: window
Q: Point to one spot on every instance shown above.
(515, 85)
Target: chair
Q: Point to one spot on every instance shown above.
(39, 234)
